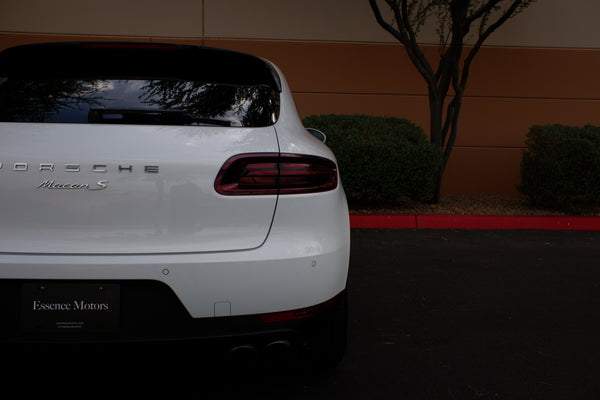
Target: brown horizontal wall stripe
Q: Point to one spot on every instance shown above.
(485, 122)
(385, 69)
(413, 108)
(337, 67)
(535, 73)
(504, 122)
(509, 90)
(483, 171)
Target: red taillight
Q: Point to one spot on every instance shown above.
(260, 174)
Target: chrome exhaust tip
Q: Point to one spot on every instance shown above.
(279, 350)
(245, 353)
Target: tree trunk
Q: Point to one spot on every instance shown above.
(461, 18)
(436, 115)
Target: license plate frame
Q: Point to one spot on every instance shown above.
(70, 307)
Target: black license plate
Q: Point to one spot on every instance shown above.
(69, 307)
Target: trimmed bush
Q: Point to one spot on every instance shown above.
(561, 167)
(381, 159)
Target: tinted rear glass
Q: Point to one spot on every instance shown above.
(137, 83)
(136, 101)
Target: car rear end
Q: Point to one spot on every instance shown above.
(159, 193)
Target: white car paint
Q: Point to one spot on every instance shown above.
(240, 256)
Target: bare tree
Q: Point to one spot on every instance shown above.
(456, 20)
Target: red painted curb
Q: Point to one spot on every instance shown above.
(400, 221)
(405, 221)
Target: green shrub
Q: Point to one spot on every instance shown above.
(381, 159)
(561, 167)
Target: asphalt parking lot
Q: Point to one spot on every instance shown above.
(474, 315)
(434, 314)
(466, 315)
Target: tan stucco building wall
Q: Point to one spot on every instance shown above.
(538, 68)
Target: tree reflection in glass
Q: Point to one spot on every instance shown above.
(136, 101)
(240, 105)
(23, 100)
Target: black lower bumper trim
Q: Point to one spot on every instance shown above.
(151, 314)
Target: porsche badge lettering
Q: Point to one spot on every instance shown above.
(72, 167)
(97, 168)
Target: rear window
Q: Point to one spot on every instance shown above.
(136, 101)
(136, 83)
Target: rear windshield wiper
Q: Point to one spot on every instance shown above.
(149, 117)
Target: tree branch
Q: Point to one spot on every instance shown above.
(404, 36)
(483, 36)
(486, 8)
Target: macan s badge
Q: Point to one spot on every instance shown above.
(72, 167)
(51, 184)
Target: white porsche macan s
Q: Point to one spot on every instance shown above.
(161, 192)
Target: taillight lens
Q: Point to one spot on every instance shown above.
(261, 174)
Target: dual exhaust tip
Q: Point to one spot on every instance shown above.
(276, 351)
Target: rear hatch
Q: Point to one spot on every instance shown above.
(124, 162)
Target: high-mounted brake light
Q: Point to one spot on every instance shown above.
(262, 174)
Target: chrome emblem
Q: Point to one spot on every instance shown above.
(100, 169)
(96, 168)
(51, 184)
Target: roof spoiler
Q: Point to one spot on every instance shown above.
(137, 60)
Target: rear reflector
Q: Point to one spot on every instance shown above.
(285, 316)
(263, 174)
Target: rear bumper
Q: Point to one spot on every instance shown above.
(303, 262)
(206, 298)
(151, 315)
